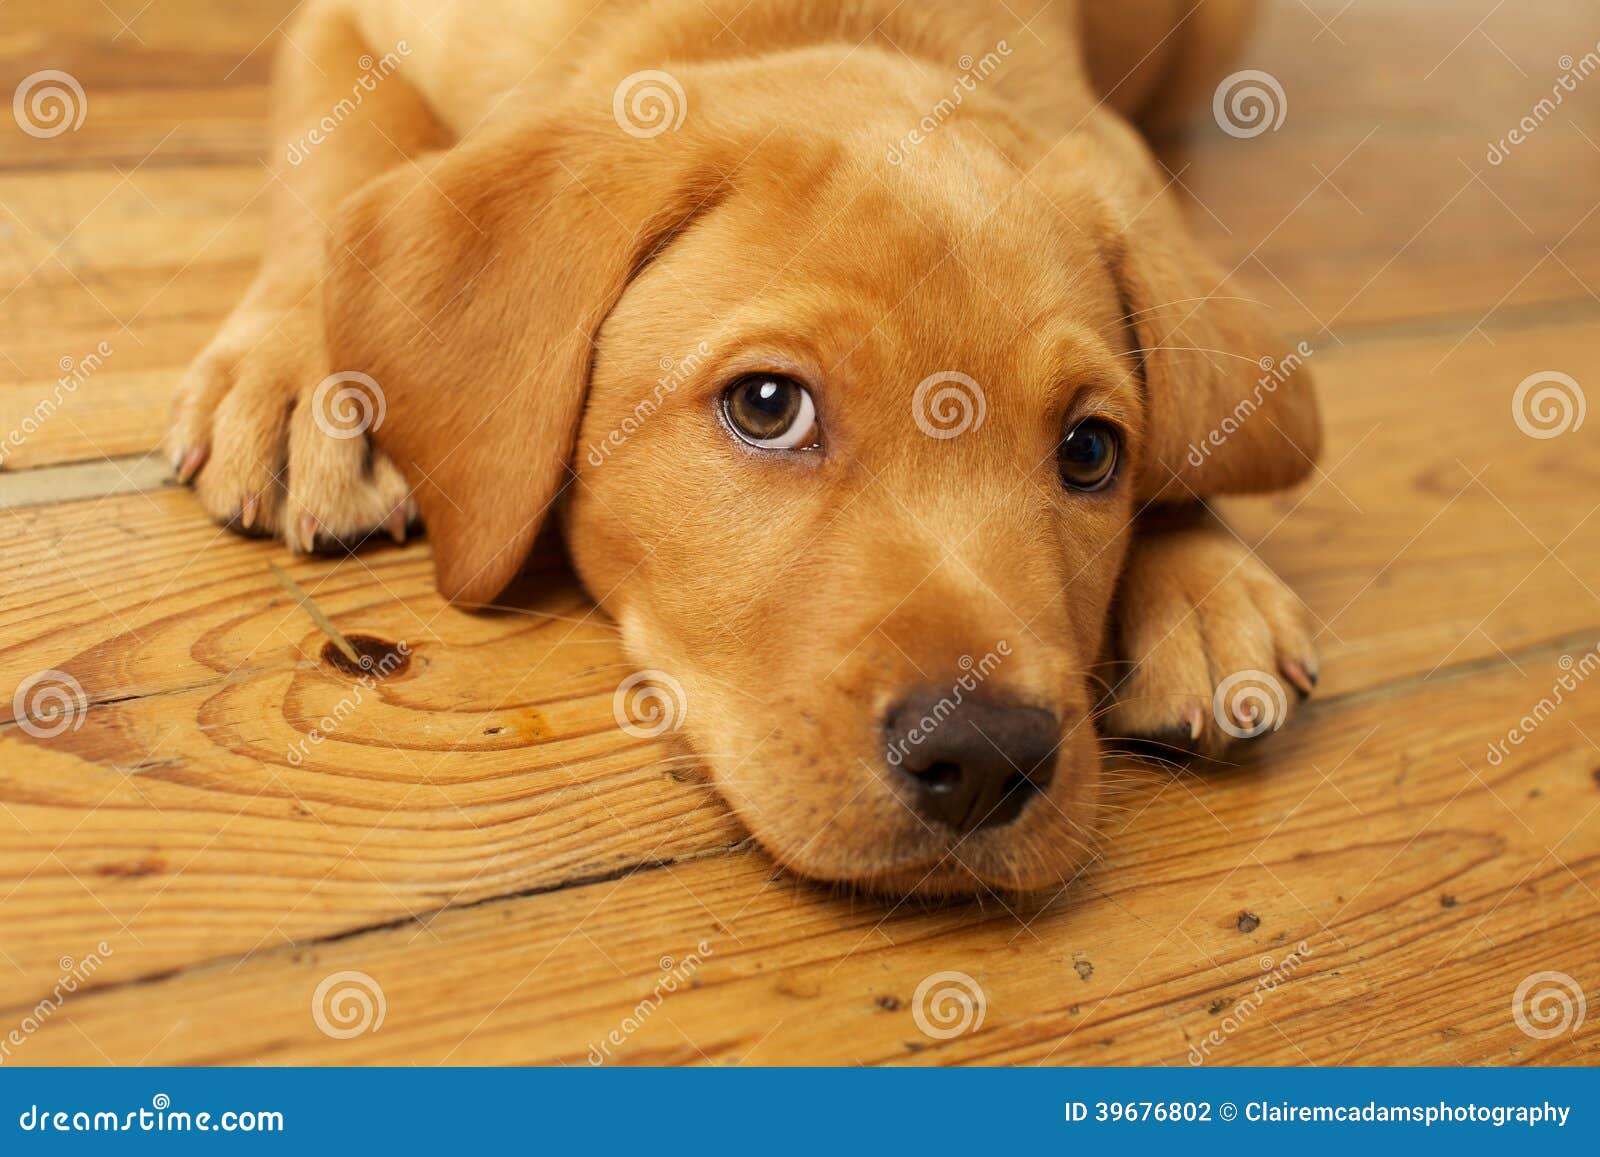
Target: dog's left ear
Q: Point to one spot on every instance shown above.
(1230, 404)
(469, 287)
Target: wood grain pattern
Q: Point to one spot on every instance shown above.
(1401, 929)
(475, 833)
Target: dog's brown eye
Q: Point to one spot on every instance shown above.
(772, 412)
(1087, 456)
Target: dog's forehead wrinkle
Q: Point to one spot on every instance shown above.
(859, 268)
(946, 205)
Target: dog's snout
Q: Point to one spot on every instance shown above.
(970, 764)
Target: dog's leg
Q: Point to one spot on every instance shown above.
(262, 457)
(1210, 645)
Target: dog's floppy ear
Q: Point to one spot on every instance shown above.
(469, 288)
(1230, 404)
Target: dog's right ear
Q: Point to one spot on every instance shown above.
(469, 287)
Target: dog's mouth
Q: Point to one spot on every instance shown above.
(940, 797)
(987, 781)
(954, 867)
(1026, 841)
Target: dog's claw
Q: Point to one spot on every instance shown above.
(247, 512)
(1197, 721)
(189, 464)
(306, 533)
(1305, 681)
(395, 524)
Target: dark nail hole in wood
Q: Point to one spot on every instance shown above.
(380, 659)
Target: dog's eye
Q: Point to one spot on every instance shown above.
(772, 412)
(1087, 456)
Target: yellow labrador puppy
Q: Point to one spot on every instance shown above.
(857, 346)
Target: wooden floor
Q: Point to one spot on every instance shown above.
(516, 879)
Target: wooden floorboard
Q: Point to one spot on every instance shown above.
(1359, 846)
(517, 875)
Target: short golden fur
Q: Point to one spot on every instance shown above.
(482, 238)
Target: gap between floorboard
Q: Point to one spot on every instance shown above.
(81, 481)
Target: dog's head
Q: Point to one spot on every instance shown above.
(850, 447)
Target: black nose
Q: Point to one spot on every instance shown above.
(970, 763)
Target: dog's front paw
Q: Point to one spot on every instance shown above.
(1212, 647)
(275, 444)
